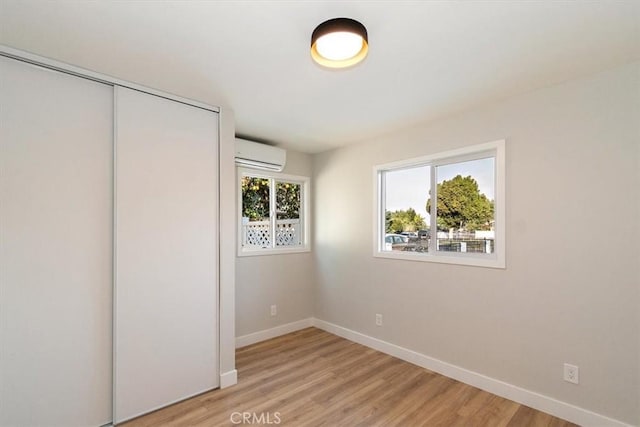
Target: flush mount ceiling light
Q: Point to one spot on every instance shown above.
(339, 43)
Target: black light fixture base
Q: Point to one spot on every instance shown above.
(337, 25)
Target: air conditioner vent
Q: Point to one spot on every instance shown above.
(259, 156)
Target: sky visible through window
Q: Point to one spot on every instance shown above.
(409, 188)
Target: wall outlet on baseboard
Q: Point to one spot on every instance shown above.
(274, 310)
(571, 373)
(378, 319)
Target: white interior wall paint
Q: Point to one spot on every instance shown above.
(570, 292)
(227, 233)
(285, 280)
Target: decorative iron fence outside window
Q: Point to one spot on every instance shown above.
(468, 245)
(485, 246)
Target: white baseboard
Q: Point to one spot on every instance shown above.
(535, 400)
(273, 332)
(526, 397)
(227, 379)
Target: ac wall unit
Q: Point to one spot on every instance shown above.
(259, 156)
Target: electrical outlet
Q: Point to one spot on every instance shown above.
(571, 373)
(274, 310)
(378, 319)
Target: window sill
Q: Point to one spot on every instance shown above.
(273, 251)
(469, 260)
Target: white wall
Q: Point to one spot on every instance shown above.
(570, 292)
(285, 280)
(227, 286)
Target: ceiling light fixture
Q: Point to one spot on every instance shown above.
(339, 43)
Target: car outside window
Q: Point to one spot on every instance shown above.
(448, 207)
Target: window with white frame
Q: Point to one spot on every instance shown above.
(273, 213)
(448, 207)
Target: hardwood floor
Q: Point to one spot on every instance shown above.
(314, 378)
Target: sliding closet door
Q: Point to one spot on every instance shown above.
(55, 248)
(166, 328)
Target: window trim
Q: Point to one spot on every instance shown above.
(305, 183)
(495, 260)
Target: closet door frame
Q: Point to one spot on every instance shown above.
(98, 77)
(225, 288)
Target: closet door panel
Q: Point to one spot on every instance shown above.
(56, 215)
(166, 322)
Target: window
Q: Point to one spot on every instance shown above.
(445, 208)
(273, 213)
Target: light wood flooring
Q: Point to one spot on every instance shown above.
(314, 378)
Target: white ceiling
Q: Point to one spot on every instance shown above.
(426, 60)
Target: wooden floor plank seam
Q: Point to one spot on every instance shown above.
(311, 378)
